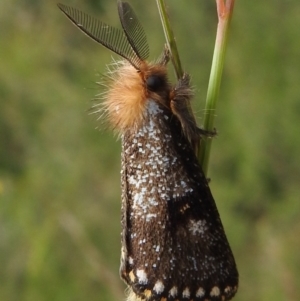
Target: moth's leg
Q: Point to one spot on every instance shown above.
(206, 133)
(180, 99)
(164, 58)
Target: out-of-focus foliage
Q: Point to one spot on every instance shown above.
(59, 177)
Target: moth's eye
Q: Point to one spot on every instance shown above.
(155, 83)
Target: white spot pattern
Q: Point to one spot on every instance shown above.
(173, 291)
(227, 289)
(186, 293)
(142, 276)
(198, 227)
(215, 291)
(159, 287)
(200, 292)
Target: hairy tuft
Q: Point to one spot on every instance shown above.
(124, 100)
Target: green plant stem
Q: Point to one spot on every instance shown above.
(171, 42)
(225, 10)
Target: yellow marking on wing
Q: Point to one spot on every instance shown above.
(147, 293)
(131, 276)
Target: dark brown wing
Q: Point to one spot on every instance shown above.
(176, 247)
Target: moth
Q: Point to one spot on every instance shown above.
(174, 247)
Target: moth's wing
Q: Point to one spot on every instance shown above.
(133, 30)
(110, 37)
(176, 245)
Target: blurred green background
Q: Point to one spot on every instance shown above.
(59, 175)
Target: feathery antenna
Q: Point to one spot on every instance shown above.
(132, 45)
(133, 30)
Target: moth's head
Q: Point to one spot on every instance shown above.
(129, 91)
(132, 82)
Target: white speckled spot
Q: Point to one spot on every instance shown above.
(159, 287)
(200, 292)
(198, 227)
(186, 293)
(153, 108)
(173, 291)
(227, 289)
(215, 291)
(149, 216)
(142, 276)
